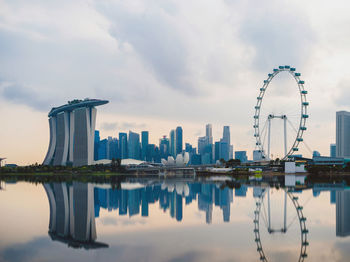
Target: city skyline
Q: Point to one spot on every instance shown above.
(178, 72)
(206, 151)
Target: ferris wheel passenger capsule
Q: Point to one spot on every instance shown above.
(297, 74)
(275, 70)
(292, 69)
(305, 103)
(305, 116)
(304, 92)
(287, 67)
(301, 82)
(295, 149)
(281, 67)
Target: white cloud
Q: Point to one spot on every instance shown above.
(173, 62)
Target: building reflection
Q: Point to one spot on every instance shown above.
(171, 198)
(342, 213)
(340, 196)
(75, 206)
(72, 219)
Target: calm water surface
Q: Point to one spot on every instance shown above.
(173, 220)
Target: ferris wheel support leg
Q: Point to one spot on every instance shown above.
(268, 210)
(285, 212)
(285, 135)
(269, 138)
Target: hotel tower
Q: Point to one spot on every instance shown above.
(72, 130)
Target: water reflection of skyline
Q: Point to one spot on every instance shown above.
(171, 198)
(74, 207)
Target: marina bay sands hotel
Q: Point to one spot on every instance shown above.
(72, 131)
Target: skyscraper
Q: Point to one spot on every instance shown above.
(164, 147)
(72, 131)
(343, 134)
(134, 145)
(112, 148)
(226, 135)
(151, 152)
(217, 151)
(123, 145)
(224, 150)
(103, 152)
(230, 153)
(333, 150)
(202, 143)
(172, 143)
(205, 149)
(209, 133)
(144, 144)
(178, 140)
(96, 144)
(225, 146)
(189, 148)
(241, 155)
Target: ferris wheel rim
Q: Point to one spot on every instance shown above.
(303, 111)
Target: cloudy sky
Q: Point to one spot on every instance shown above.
(163, 63)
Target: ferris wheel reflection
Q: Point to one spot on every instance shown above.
(259, 216)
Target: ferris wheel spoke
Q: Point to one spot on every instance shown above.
(291, 223)
(307, 147)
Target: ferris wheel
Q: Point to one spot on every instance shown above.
(260, 133)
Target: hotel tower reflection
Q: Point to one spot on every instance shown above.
(72, 219)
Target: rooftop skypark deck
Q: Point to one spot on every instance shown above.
(71, 105)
